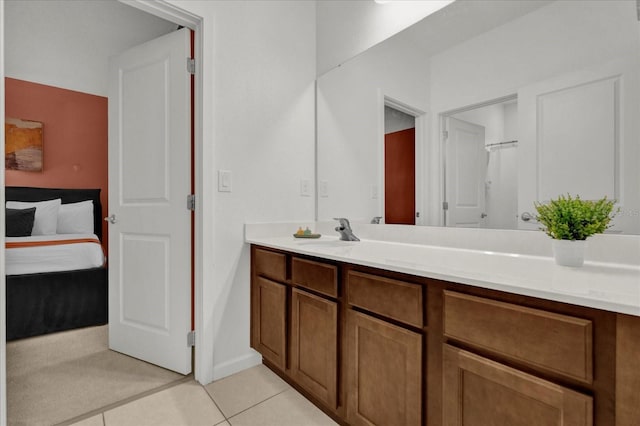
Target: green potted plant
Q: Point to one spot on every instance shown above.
(570, 221)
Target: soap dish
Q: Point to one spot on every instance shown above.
(307, 235)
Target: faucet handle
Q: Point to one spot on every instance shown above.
(344, 222)
(345, 229)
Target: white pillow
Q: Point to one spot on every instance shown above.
(46, 218)
(76, 218)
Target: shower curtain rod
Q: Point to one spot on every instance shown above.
(501, 143)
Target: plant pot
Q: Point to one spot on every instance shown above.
(569, 252)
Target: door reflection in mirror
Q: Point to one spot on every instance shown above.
(481, 178)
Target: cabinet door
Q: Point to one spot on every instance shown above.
(481, 392)
(314, 335)
(385, 373)
(268, 320)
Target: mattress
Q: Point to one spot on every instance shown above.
(52, 253)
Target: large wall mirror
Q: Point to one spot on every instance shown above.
(476, 112)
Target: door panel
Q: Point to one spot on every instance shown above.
(314, 353)
(150, 148)
(578, 126)
(480, 392)
(149, 180)
(466, 171)
(144, 305)
(385, 373)
(269, 320)
(400, 177)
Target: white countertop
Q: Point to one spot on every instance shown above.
(608, 286)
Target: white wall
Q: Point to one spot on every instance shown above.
(490, 117)
(259, 71)
(561, 37)
(347, 28)
(350, 110)
(510, 110)
(396, 121)
(67, 43)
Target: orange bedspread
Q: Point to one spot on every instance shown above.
(19, 244)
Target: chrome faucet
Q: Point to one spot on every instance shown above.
(346, 234)
(376, 220)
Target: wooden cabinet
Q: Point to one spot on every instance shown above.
(269, 264)
(295, 321)
(314, 338)
(394, 299)
(384, 369)
(374, 347)
(268, 326)
(628, 373)
(316, 276)
(481, 392)
(558, 343)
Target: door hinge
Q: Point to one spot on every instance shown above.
(191, 339)
(445, 134)
(445, 205)
(191, 65)
(191, 202)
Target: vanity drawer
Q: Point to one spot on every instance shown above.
(270, 264)
(553, 342)
(321, 277)
(391, 298)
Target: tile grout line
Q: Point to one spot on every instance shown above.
(104, 409)
(258, 403)
(215, 403)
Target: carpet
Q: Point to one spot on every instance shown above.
(60, 376)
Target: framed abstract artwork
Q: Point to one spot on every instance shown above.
(23, 145)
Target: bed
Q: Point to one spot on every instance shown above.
(45, 302)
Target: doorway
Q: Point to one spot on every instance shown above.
(402, 160)
(480, 165)
(165, 11)
(399, 167)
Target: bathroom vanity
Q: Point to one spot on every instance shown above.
(379, 333)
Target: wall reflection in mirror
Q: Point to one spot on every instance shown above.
(508, 104)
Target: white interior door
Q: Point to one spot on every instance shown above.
(149, 181)
(466, 171)
(572, 131)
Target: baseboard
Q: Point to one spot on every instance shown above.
(235, 365)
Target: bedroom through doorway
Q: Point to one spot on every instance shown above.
(35, 364)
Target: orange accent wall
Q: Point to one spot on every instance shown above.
(75, 138)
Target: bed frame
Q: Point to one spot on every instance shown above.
(56, 301)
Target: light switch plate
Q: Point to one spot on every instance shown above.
(374, 192)
(224, 181)
(305, 188)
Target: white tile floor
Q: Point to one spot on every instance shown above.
(255, 396)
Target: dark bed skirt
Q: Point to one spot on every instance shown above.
(56, 301)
